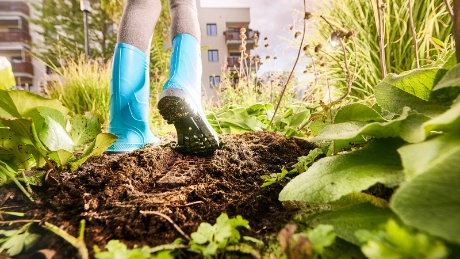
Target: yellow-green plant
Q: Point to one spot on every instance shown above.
(432, 24)
(82, 86)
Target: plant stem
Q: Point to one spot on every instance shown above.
(10, 175)
(414, 34)
(76, 242)
(295, 64)
(449, 9)
(381, 39)
(349, 77)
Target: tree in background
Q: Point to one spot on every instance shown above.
(62, 24)
(63, 34)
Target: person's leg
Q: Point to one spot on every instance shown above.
(130, 84)
(184, 18)
(180, 100)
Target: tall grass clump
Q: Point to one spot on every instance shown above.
(81, 85)
(431, 22)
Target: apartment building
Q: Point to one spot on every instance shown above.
(15, 44)
(220, 29)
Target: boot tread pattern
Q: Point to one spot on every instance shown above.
(193, 135)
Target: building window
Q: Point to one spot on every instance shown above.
(211, 29)
(213, 55)
(214, 81)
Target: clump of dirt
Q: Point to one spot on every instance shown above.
(114, 192)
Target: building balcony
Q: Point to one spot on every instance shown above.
(15, 7)
(232, 37)
(15, 35)
(23, 67)
(232, 63)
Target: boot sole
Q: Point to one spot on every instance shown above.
(193, 135)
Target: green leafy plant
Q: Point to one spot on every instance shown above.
(306, 244)
(36, 131)
(394, 241)
(433, 28)
(299, 167)
(214, 240)
(236, 119)
(17, 240)
(116, 249)
(408, 141)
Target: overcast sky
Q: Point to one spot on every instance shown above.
(273, 19)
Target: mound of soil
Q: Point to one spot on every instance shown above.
(115, 193)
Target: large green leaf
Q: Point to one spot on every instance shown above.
(14, 151)
(51, 129)
(451, 79)
(417, 127)
(86, 127)
(430, 199)
(26, 101)
(354, 130)
(357, 112)
(347, 220)
(61, 157)
(17, 104)
(394, 100)
(412, 89)
(418, 82)
(333, 177)
(7, 106)
(97, 147)
(23, 130)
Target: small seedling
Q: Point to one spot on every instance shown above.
(214, 240)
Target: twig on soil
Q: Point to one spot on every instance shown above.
(190, 204)
(168, 219)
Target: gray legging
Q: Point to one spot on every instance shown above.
(140, 17)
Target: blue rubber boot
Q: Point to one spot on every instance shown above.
(180, 99)
(130, 100)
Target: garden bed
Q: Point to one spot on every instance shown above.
(116, 193)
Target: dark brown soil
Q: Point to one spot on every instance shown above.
(110, 192)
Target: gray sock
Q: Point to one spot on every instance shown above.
(184, 18)
(138, 23)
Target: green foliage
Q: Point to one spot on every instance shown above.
(118, 250)
(306, 244)
(236, 119)
(321, 236)
(420, 112)
(31, 122)
(299, 167)
(333, 177)
(58, 18)
(347, 219)
(394, 241)
(214, 240)
(84, 86)
(429, 199)
(17, 241)
(35, 131)
(433, 31)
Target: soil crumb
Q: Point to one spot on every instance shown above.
(113, 192)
